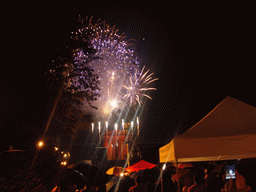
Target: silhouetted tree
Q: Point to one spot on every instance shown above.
(75, 79)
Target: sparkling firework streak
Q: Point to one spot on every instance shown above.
(137, 87)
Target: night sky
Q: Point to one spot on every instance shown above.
(200, 51)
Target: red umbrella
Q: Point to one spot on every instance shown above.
(141, 165)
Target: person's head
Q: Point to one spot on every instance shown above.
(185, 189)
(199, 178)
(246, 173)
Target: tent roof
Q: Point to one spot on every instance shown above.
(141, 165)
(227, 132)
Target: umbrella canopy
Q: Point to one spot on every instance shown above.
(95, 176)
(141, 165)
(115, 170)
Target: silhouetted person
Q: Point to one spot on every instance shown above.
(199, 185)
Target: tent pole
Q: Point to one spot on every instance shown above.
(177, 173)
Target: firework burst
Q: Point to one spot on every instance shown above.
(114, 60)
(138, 86)
(117, 62)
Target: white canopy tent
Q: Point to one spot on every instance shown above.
(227, 132)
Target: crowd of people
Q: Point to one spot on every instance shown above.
(44, 174)
(201, 177)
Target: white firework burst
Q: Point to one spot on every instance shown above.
(138, 86)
